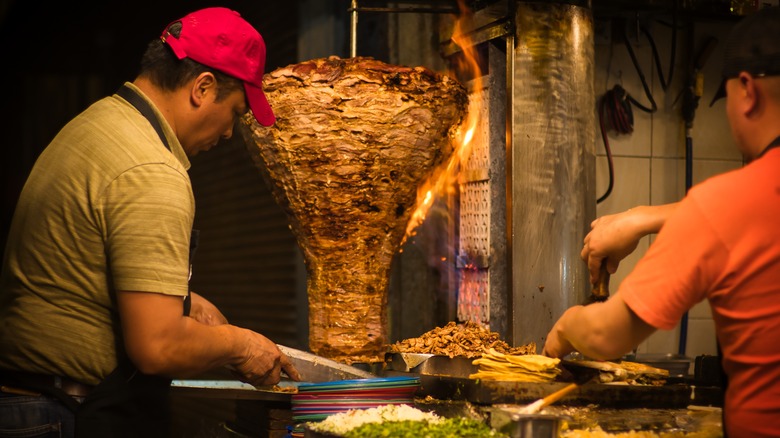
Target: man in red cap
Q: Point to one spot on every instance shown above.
(721, 243)
(96, 315)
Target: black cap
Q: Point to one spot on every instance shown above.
(753, 46)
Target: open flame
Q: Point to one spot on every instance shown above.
(445, 177)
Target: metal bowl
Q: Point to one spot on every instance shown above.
(429, 364)
(535, 426)
(308, 433)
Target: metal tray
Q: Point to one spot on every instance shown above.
(431, 365)
(677, 365)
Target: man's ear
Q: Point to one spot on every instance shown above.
(749, 93)
(204, 87)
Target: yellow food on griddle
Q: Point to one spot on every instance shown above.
(630, 372)
(510, 377)
(638, 369)
(516, 368)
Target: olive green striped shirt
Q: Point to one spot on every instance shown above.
(106, 207)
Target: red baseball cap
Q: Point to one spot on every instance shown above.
(219, 38)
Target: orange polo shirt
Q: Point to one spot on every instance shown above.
(723, 244)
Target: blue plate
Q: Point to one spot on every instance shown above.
(381, 382)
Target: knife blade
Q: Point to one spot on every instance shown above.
(318, 369)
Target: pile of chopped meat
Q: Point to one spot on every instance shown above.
(468, 339)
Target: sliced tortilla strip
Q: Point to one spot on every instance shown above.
(527, 368)
(509, 377)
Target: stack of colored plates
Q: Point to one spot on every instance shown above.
(315, 401)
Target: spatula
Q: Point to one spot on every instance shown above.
(538, 405)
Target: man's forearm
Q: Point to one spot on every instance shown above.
(159, 340)
(600, 331)
(189, 350)
(651, 218)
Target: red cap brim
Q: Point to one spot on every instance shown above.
(259, 105)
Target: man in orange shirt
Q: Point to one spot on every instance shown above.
(721, 243)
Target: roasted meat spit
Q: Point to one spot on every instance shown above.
(353, 140)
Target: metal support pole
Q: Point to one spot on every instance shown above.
(353, 29)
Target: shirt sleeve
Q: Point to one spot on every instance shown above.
(148, 213)
(679, 269)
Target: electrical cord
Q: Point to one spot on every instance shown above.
(665, 81)
(607, 149)
(615, 107)
(616, 104)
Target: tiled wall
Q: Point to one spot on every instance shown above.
(650, 163)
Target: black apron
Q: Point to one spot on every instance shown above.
(129, 403)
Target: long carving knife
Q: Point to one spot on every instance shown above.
(318, 369)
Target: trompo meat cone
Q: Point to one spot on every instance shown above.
(353, 139)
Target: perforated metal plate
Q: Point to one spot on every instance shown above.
(474, 235)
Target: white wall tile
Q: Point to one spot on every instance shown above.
(636, 144)
(703, 169)
(701, 311)
(711, 132)
(712, 135)
(631, 184)
(701, 338)
(663, 341)
(667, 180)
(668, 134)
(668, 127)
(667, 176)
(631, 188)
(667, 185)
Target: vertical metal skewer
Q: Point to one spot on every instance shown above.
(353, 29)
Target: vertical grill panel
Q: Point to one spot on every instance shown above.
(475, 218)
